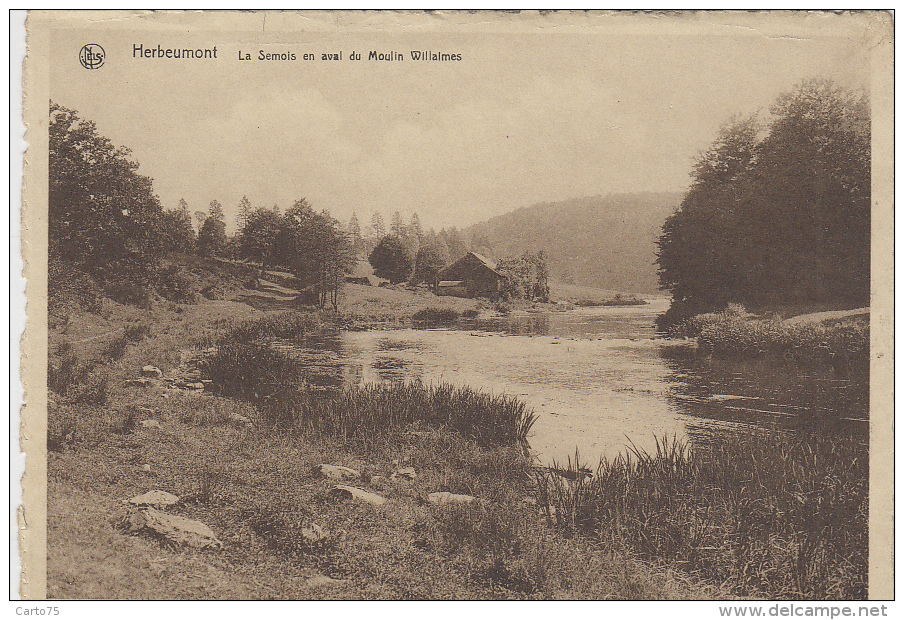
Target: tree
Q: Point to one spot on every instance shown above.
(377, 225)
(354, 231)
(314, 247)
(215, 210)
(200, 217)
(176, 231)
(782, 219)
(428, 263)
(258, 238)
(526, 276)
(813, 181)
(415, 229)
(397, 227)
(243, 213)
(212, 237)
(699, 254)
(104, 217)
(455, 243)
(390, 260)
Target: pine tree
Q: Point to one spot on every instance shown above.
(354, 231)
(397, 227)
(244, 212)
(215, 210)
(379, 228)
(415, 229)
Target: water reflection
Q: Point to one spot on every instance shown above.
(597, 377)
(768, 392)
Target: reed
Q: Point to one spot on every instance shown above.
(246, 366)
(766, 514)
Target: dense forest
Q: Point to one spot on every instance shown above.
(778, 211)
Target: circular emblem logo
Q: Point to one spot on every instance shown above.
(92, 56)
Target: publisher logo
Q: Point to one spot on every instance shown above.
(92, 56)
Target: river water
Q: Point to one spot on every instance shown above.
(598, 378)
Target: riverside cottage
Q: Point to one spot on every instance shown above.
(472, 275)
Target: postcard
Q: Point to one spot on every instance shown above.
(380, 305)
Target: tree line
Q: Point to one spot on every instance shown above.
(778, 212)
(106, 222)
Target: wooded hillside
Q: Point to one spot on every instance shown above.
(601, 241)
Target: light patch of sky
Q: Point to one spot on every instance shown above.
(523, 118)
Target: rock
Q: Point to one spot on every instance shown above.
(150, 424)
(239, 420)
(569, 474)
(444, 497)
(336, 472)
(359, 494)
(151, 371)
(404, 474)
(146, 468)
(316, 537)
(139, 382)
(196, 386)
(176, 530)
(323, 580)
(156, 499)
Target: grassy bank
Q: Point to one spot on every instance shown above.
(670, 525)
(765, 514)
(254, 487)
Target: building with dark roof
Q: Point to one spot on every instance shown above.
(472, 275)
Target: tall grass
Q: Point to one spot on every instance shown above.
(765, 514)
(282, 326)
(245, 366)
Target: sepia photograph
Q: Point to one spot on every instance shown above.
(458, 306)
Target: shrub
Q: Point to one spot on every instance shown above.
(177, 284)
(94, 391)
(69, 288)
(62, 426)
(116, 348)
(435, 316)
(66, 373)
(130, 293)
(731, 335)
(133, 332)
(214, 291)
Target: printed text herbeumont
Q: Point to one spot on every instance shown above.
(140, 51)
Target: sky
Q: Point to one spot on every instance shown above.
(528, 115)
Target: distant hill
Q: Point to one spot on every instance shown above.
(600, 241)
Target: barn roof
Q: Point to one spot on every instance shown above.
(483, 259)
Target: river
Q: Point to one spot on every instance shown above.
(598, 378)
